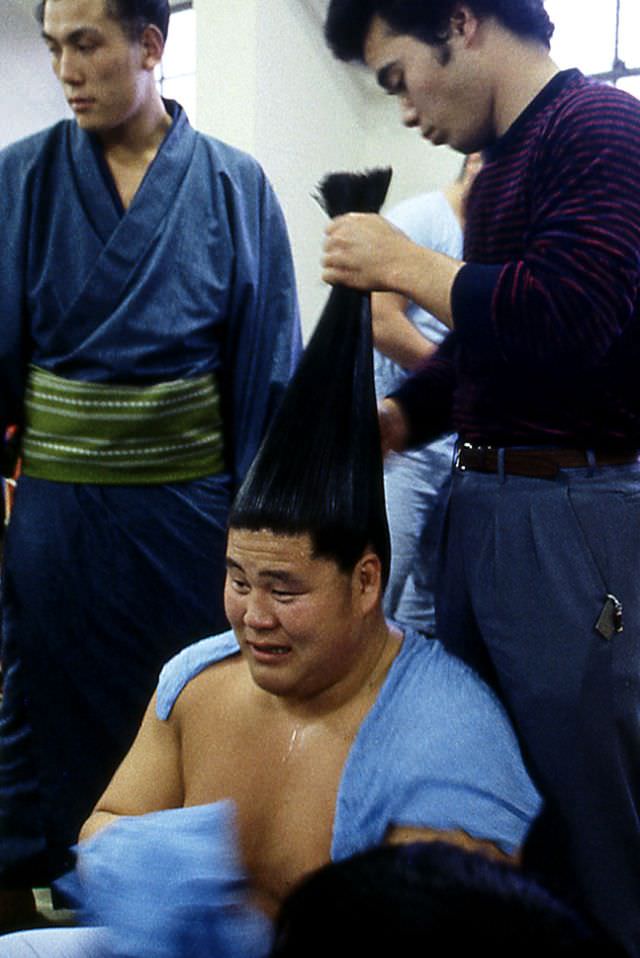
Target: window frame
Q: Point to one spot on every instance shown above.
(619, 69)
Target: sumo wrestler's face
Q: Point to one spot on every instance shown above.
(298, 618)
(103, 72)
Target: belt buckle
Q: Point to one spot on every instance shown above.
(458, 455)
(479, 451)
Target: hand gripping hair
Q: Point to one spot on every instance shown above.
(319, 468)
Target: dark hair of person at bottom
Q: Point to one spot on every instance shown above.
(430, 900)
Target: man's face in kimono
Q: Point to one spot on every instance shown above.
(105, 75)
(298, 618)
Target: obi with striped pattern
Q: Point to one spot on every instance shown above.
(121, 435)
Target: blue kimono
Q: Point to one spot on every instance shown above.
(103, 583)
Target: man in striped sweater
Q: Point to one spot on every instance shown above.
(540, 555)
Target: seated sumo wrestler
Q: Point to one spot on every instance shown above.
(328, 730)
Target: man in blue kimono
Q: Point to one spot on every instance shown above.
(149, 323)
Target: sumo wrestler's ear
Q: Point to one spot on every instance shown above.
(369, 580)
(152, 43)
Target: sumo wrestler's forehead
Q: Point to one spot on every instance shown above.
(288, 558)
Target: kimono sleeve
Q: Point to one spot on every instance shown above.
(121, 885)
(16, 215)
(436, 751)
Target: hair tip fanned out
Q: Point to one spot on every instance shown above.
(347, 192)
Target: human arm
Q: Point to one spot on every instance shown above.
(420, 409)
(550, 283)
(394, 427)
(438, 756)
(394, 334)
(149, 778)
(364, 251)
(403, 836)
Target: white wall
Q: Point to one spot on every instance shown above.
(309, 123)
(31, 96)
(268, 84)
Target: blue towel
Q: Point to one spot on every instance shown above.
(168, 885)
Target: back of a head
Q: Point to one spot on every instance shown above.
(319, 468)
(431, 900)
(348, 21)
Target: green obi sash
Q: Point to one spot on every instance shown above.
(121, 435)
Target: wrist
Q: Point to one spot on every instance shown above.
(394, 429)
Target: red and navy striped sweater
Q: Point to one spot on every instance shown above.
(546, 341)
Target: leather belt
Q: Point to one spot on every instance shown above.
(535, 462)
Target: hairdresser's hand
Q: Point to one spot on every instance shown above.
(365, 252)
(394, 429)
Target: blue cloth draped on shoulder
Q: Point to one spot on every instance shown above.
(168, 885)
(102, 584)
(436, 750)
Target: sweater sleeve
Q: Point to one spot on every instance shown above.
(572, 290)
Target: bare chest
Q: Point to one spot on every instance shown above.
(127, 179)
(284, 782)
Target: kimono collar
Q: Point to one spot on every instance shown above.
(95, 185)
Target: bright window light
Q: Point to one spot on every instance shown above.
(630, 33)
(591, 48)
(607, 41)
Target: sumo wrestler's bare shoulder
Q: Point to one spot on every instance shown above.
(214, 696)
